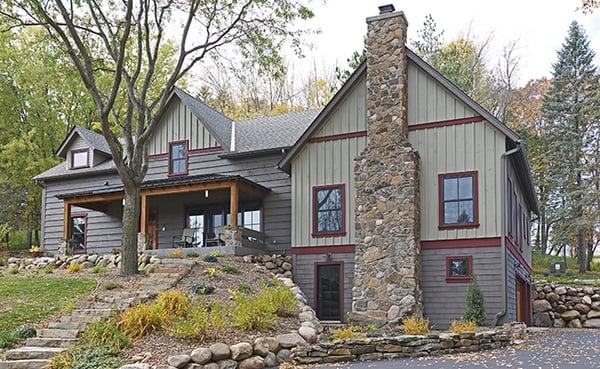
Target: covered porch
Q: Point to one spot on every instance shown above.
(191, 213)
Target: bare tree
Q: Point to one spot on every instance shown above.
(120, 42)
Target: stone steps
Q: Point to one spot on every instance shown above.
(58, 333)
(33, 353)
(24, 364)
(67, 325)
(50, 342)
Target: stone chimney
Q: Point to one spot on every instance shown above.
(387, 262)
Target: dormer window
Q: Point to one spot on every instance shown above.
(178, 158)
(80, 158)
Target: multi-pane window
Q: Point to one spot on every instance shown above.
(178, 158)
(459, 268)
(251, 219)
(458, 200)
(328, 210)
(78, 233)
(80, 158)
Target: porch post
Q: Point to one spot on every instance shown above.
(233, 204)
(144, 213)
(67, 219)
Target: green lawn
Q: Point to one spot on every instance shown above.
(541, 264)
(30, 299)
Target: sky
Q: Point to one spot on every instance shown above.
(539, 26)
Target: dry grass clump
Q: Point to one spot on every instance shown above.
(462, 326)
(73, 268)
(415, 325)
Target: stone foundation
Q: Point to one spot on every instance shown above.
(562, 306)
(387, 259)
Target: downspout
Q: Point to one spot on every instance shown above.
(503, 172)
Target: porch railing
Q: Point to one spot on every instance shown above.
(252, 238)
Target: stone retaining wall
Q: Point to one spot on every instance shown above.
(408, 345)
(86, 261)
(566, 306)
(276, 264)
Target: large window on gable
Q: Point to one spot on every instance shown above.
(458, 204)
(178, 161)
(329, 210)
(80, 158)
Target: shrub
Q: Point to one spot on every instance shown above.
(3, 259)
(110, 285)
(195, 325)
(213, 272)
(70, 306)
(282, 300)
(475, 304)
(192, 254)
(244, 288)
(347, 333)
(48, 269)
(87, 357)
(415, 325)
(177, 254)
(13, 271)
(98, 270)
(230, 270)
(210, 258)
(462, 326)
(115, 250)
(25, 331)
(140, 320)
(220, 318)
(172, 304)
(74, 268)
(150, 269)
(253, 313)
(202, 289)
(106, 333)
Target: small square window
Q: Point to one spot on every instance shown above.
(80, 159)
(329, 211)
(459, 269)
(458, 200)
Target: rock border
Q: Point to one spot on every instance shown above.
(86, 261)
(276, 264)
(378, 348)
(561, 306)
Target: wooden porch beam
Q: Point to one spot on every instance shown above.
(144, 213)
(67, 220)
(192, 187)
(95, 198)
(233, 204)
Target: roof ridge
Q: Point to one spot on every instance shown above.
(188, 95)
(277, 115)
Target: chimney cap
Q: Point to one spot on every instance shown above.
(388, 8)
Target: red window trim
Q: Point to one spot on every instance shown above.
(85, 233)
(451, 279)
(73, 152)
(342, 231)
(187, 151)
(316, 285)
(441, 177)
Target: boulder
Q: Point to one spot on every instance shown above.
(575, 323)
(560, 290)
(586, 300)
(283, 355)
(308, 333)
(582, 308)
(201, 355)
(559, 323)
(290, 340)
(588, 290)
(211, 366)
(570, 315)
(220, 351)
(241, 351)
(179, 361)
(592, 323)
(227, 364)
(540, 306)
(542, 320)
(593, 314)
(270, 360)
(87, 265)
(552, 297)
(137, 366)
(254, 362)
(264, 345)
(286, 266)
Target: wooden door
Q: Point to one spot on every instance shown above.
(523, 301)
(153, 228)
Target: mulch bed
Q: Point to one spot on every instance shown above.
(158, 346)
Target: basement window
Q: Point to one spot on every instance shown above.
(458, 207)
(459, 269)
(329, 211)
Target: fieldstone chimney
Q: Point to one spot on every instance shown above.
(387, 262)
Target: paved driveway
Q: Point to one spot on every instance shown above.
(549, 349)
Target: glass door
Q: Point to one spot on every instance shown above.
(196, 223)
(329, 292)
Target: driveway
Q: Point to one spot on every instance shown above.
(543, 349)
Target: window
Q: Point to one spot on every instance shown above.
(178, 158)
(80, 158)
(458, 200)
(329, 211)
(249, 217)
(459, 269)
(79, 233)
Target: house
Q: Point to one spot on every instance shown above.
(391, 198)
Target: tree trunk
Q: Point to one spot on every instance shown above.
(131, 216)
(29, 238)
(581, 250)
(544, 229)
(590, 251)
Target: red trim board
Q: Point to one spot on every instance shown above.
(461, 243)
(340, 136)
(444, 123)
(317, 250)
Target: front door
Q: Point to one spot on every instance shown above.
(153, 228)
(329, 291)
(522, 297)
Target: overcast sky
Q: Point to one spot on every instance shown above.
(540, 27)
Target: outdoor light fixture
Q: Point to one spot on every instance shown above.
(206, 194)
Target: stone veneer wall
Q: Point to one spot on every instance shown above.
(386, 272)
(566, 306)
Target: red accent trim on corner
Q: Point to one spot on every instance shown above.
(512, 248)
(441, 177)
(85, 233)
(342, 231)
(187, 156)
(73, 152)
(317, 250)
(450, 279)
(444, 123)
(461, 243)
(340, 136)
(316, 285)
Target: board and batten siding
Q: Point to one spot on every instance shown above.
(179, 123)
(429, 101)
(459, 148)
(329, 162)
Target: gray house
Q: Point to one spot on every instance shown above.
(391, 198)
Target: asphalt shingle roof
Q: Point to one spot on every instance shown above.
(96, 140)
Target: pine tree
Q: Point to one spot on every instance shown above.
(475, 305)
(430, 39)
(571, 111)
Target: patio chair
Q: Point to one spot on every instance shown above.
(187, 239)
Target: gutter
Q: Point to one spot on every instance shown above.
(503, 171)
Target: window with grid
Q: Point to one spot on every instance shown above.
(458, 199)
(328, 210)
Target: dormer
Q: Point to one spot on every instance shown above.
(83, 149)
